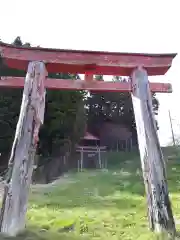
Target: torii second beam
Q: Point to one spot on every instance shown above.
(99, 86)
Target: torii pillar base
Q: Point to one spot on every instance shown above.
(153, 165)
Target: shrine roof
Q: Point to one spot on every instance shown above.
(89, 136)
(81, 61)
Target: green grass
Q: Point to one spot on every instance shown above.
(97, 204)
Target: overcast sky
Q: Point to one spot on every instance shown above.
(110, 25)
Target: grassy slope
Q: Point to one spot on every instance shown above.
(99, 205)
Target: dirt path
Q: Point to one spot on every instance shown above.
(62, 180)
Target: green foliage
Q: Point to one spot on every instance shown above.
(120, 79)
(108, 106)
(155, 104)
(60, 113)
(10, 101)
(17, 42)
(115, 107)
(99, 77)
(60, 117)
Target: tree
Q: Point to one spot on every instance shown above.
(17, 42)
(10, 101)
(60, 115)
(99, 77)
(120, 79)
(116, 107)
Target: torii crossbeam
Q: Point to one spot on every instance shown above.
(39, 61)
(85, 62)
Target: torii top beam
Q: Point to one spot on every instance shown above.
(91, 62)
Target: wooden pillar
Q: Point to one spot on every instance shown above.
(82, 159)
(99, 158)
(78, 164)
(21, 161)
(106, 160)
(153, 165)
(131, 144)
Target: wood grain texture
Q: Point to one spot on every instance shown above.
(62, 84)
(153, 164)
(20, 169)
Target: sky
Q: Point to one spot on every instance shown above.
(108, 25)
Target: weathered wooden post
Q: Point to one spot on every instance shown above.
(20, 170)
(153, 165)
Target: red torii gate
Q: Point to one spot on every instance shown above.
(85, 62)
(39, 61)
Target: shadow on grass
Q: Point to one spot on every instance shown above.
(124, 175)
(96, 190)
(99, 203)
(41, 234)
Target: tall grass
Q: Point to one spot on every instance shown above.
(108, 204)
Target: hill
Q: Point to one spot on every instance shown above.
(107, 204)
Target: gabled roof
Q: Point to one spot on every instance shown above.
(89, 136)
